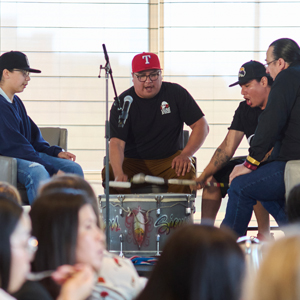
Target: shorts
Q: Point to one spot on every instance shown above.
(222, 176)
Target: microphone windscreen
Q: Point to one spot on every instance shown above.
(128, 99)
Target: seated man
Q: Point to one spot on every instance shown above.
(149, 142)
(278, 127)
(19, 135)
(256, 85)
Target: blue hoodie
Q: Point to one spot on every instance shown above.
(20, 137)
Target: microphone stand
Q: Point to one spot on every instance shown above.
(108, 72)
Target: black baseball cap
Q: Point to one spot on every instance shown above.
(249, 71)
(15, 60)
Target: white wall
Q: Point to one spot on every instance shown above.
(205, 43)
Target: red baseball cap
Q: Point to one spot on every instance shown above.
(145, 61)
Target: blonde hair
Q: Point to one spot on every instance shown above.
(10, 191)
(278, 277)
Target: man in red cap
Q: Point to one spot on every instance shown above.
(150, 140)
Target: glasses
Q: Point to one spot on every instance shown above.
(24, 73)
(30, 246)
(268, 63)
(152, 77)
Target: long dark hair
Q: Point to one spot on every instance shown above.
(54, 217)
(10, 214)
(287, 49)
(198, 262)
(72, 181)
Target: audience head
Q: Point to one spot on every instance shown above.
(280, 55)
(9, 191)
(255, 83)
(63, 214)
(146, 75)
(15, 245)
(76, 182)
(279, 274)
(252, 70)
(65, 224)
(15, 61)
(198, 262)
(293, 204)
(287, 49)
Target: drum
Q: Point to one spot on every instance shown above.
(141, 224)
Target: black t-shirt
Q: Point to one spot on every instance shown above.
(279, 125)
(245, 119)
(154, 126)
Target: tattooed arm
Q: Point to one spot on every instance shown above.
(222, 155)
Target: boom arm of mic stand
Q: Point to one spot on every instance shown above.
(108, 71)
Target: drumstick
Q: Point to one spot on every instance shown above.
(142, 178)
(120, 184)
(136, 179)
(193, 182)
(159, 180)
(218, 184)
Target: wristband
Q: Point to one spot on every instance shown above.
(252, 161)
(249, 166)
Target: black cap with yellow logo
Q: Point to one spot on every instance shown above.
(249, 71)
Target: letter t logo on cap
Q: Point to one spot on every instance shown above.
(145, 61)
(147, 58)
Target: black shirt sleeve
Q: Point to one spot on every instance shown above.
(275, 117)
(237, 123)
(189, 110)
(245, 119)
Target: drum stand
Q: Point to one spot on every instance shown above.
(108, 72)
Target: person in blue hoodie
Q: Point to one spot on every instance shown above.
(19, 135)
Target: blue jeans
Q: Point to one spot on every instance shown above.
(266, 184)
(31, 174)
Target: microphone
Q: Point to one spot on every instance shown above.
(126, 106)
